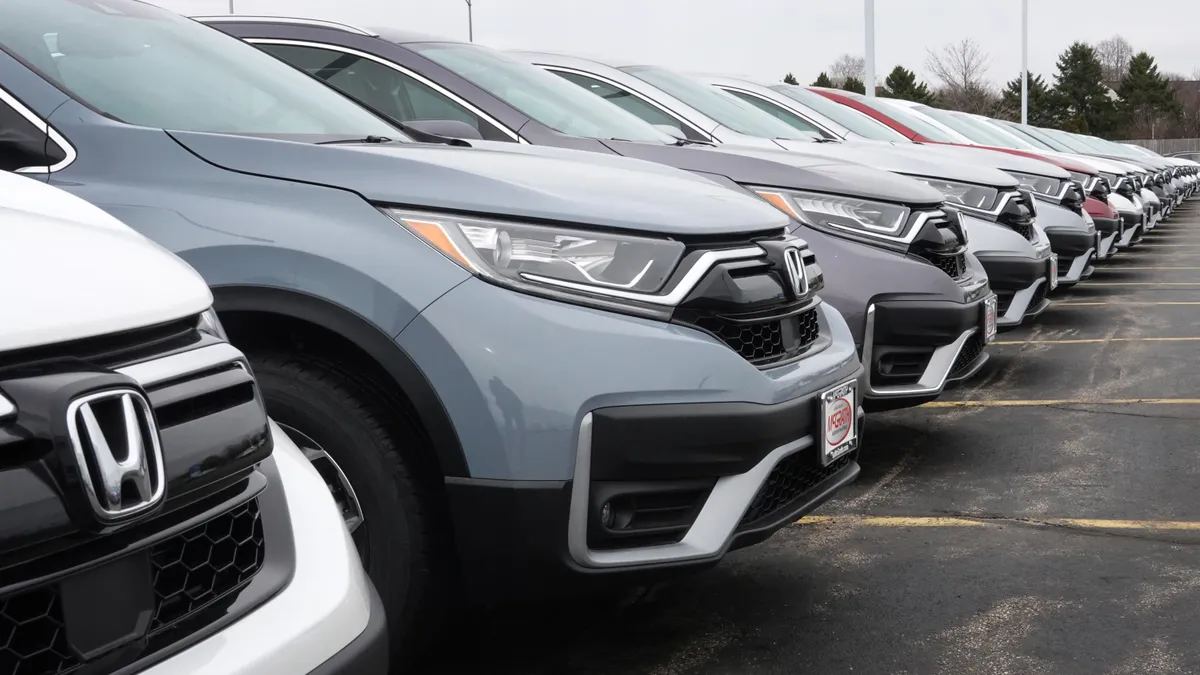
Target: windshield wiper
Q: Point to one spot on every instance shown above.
(368, 139)
(687, 141)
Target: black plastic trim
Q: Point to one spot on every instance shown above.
(923, 323)
(1069, 243)
(1011, 273)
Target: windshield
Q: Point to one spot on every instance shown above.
(909, 119)
(150, 67)
(969, 127)
(1050, 141)
(1029, 141)
(1070, 142)
(726, 110)
(542, 96)
(853, 120)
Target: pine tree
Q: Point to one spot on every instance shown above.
(1041, 113)
(823, 81)
(1080, 100)
(902, 83)
(1147, 99)
(854, 84)
(790, 79)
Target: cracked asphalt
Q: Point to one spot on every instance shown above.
(990, 539)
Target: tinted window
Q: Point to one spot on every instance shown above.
(786, 116)
(147, 66)
(969, 127)
(548, 99)
(631, 103)
(22, 143)
(382, 88)
(908, 119)
(714, 103)
(857, 122)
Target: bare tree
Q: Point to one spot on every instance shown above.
(1114, 54)
(962, 70)
(845, 67)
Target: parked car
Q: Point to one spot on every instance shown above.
(412, 310)
(942, 341)
(1075, 240)
(153, 518)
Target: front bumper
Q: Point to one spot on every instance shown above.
(1110, 230)
(1021, 285)
(327, 620)
(1076, 250)
(1135, 228)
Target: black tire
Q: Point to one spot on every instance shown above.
(378, 450)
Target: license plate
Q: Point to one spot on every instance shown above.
(839, 421)
(989, 318)
(1053, 271)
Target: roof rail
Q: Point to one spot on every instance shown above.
(228, 18)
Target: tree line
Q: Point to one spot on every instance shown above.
(1106, 89)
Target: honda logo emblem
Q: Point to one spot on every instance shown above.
(793, 263)
(120, 458)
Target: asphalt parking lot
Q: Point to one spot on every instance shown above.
(1045, 518)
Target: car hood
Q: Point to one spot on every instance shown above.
(102, 277)
(1000, 160)
(788, 170)
(912, 160)
(502, 179)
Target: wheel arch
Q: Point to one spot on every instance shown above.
(238, 305)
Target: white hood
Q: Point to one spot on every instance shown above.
(72, 271)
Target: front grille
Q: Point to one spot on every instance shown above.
(1039, 295)
(767, 342)
(939, 242)
(191, 571)
(1004, 301)
(204, 563)
(787, 483)
(954, 265)
(1024, 229)
(968, 354)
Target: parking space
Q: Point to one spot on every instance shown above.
(1044, 518)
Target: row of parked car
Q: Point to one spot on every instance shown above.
(522, 322)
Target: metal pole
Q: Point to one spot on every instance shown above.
(1024, 61)
(470, 23)
(231, 6)
(869, 16)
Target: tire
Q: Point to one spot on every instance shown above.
(379, 452)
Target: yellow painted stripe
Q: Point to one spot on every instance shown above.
(1033, 403)
(1091, 284)
(941, 521)
(1159, 267)
(1084, 341)
(1123, 303)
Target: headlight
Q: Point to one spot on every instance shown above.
(1047, 187)
(209, 323)
(1086, 180)
(539, 256)
(860, 216)
(964, 194)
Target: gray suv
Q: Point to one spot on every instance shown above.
(517, 368)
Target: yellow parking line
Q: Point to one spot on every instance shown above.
(942, 521)
(1084, 341)
(1034, 403)
(1159, 267)
(1091, 284)
(1124, 303)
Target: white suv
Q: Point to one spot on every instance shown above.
(152, 519)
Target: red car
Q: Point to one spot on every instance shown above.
(918, 130)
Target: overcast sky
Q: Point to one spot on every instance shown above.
(767, 38)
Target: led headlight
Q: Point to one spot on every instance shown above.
(860, 216)
(1087, 181)
(1040, 185)
(534, 257)
(210, 324)
(964, 194)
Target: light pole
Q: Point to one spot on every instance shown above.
(869, 17)
(231, 6)
(1024, 61)
(470, 23)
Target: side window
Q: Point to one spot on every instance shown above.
(631, 103)
(777, 112)
(23, 144)
(382, 88)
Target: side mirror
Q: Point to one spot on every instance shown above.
(446, 128)
(671, 131)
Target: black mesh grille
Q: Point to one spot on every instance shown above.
(967, 355)
(788, 482)
(1039, 295)
(1003, 302)
(1025, 229)
(954, 265)
(191, 570)
(205, 562)
(767, 342)
(32, 638)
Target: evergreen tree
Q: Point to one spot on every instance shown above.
(902, 83)
(1041, 113)
(854, 84)
(1147, 98)
(790, 79)
(823, 81)
(1080, 101)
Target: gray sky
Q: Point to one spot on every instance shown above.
(767, 38)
